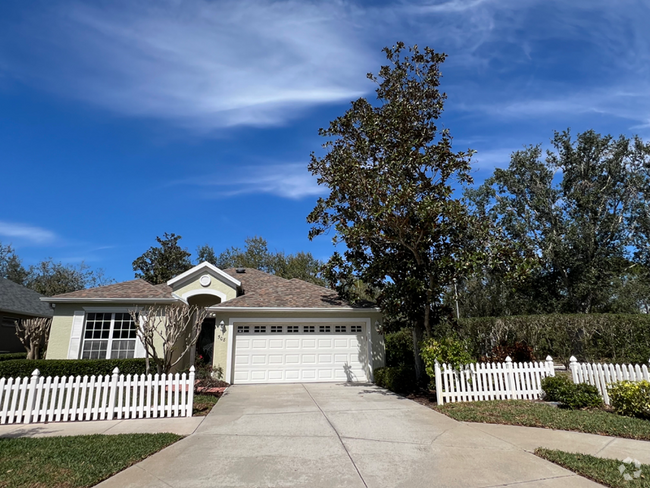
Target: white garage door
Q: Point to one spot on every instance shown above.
(287, 353)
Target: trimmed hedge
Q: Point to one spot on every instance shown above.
(70, 367)
(590, 337)
(572, 395)
(400, 379)
(630, 398)
(13, 355)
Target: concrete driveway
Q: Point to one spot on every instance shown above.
(336, 435)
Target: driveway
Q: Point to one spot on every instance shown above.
(337, 435)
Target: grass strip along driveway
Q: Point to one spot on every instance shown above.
(75, 461)
(607, 472)
(535, 414)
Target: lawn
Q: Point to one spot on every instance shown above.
(72, 462)
(604, 471)
(537, 414)
(203, 404)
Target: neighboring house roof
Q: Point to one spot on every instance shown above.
(127, 290)
(263, 290)
(21, 300)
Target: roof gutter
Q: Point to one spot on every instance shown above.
(294, 309)
(108, 300)
(19, 312)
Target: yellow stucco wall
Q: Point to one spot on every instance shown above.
(215, 284)
(59, 341)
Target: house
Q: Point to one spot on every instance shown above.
(262, 328)
(17, 302)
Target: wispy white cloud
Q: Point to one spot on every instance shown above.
(27, 233)
(291, 181)
(197, 63)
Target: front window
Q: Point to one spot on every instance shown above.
(109, 335)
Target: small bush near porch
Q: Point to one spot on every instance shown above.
(75, 461)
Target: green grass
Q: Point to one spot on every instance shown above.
(203, 404)
(604, 471)
(72, 462)
(534, 414)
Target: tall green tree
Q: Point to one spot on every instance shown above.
(577, 209)
(11, 266)
(52, 278)
(391, 172)
(161, 263)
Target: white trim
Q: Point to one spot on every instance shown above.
(225, 277)
(107, 309)
(205, 291)
(230, 359)
(107, 300)
(369, 342)
(294, 309)
(231, 333)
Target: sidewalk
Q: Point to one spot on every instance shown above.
(176, 425)
(530, 438)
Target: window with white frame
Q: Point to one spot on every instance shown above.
(109, 336)
(355, 328)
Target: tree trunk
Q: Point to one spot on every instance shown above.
(419, 364)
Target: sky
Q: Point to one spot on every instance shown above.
(123, 120)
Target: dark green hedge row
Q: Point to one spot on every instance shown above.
(13, 355)
(70, 367)
(400, 379)
(589, 337)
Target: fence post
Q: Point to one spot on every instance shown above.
(511, 381)
(550, 366)
(573, 366)
(111, 398)
(190, 394)
(31, 396)
(439, 399)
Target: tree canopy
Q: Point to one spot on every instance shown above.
(392, 173)
(159, 264)
(49, 277)
(581, 210)
(256, 254)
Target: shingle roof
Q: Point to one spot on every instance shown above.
(266, 290)
(127, 289)
(16, 298)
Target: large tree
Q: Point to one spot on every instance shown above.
(161, 263)
(11, 266)
(579, 209)
(392, 173)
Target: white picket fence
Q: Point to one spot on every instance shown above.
(491, 381)
(601, 375)
(116, 396)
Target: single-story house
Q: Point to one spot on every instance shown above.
(261, 328)
(17, 302)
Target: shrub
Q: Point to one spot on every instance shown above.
(519, 352)
(630, 398)
(399, 348)
(13, 355)
(554, 386)
(571, 395)
(447, 350)
(70, 367)
(400, 379)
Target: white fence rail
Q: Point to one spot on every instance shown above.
(491, 381)
(116, 396)
(601, 375)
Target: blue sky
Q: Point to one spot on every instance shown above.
(122, 120)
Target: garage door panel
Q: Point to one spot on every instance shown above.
(329, 353)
